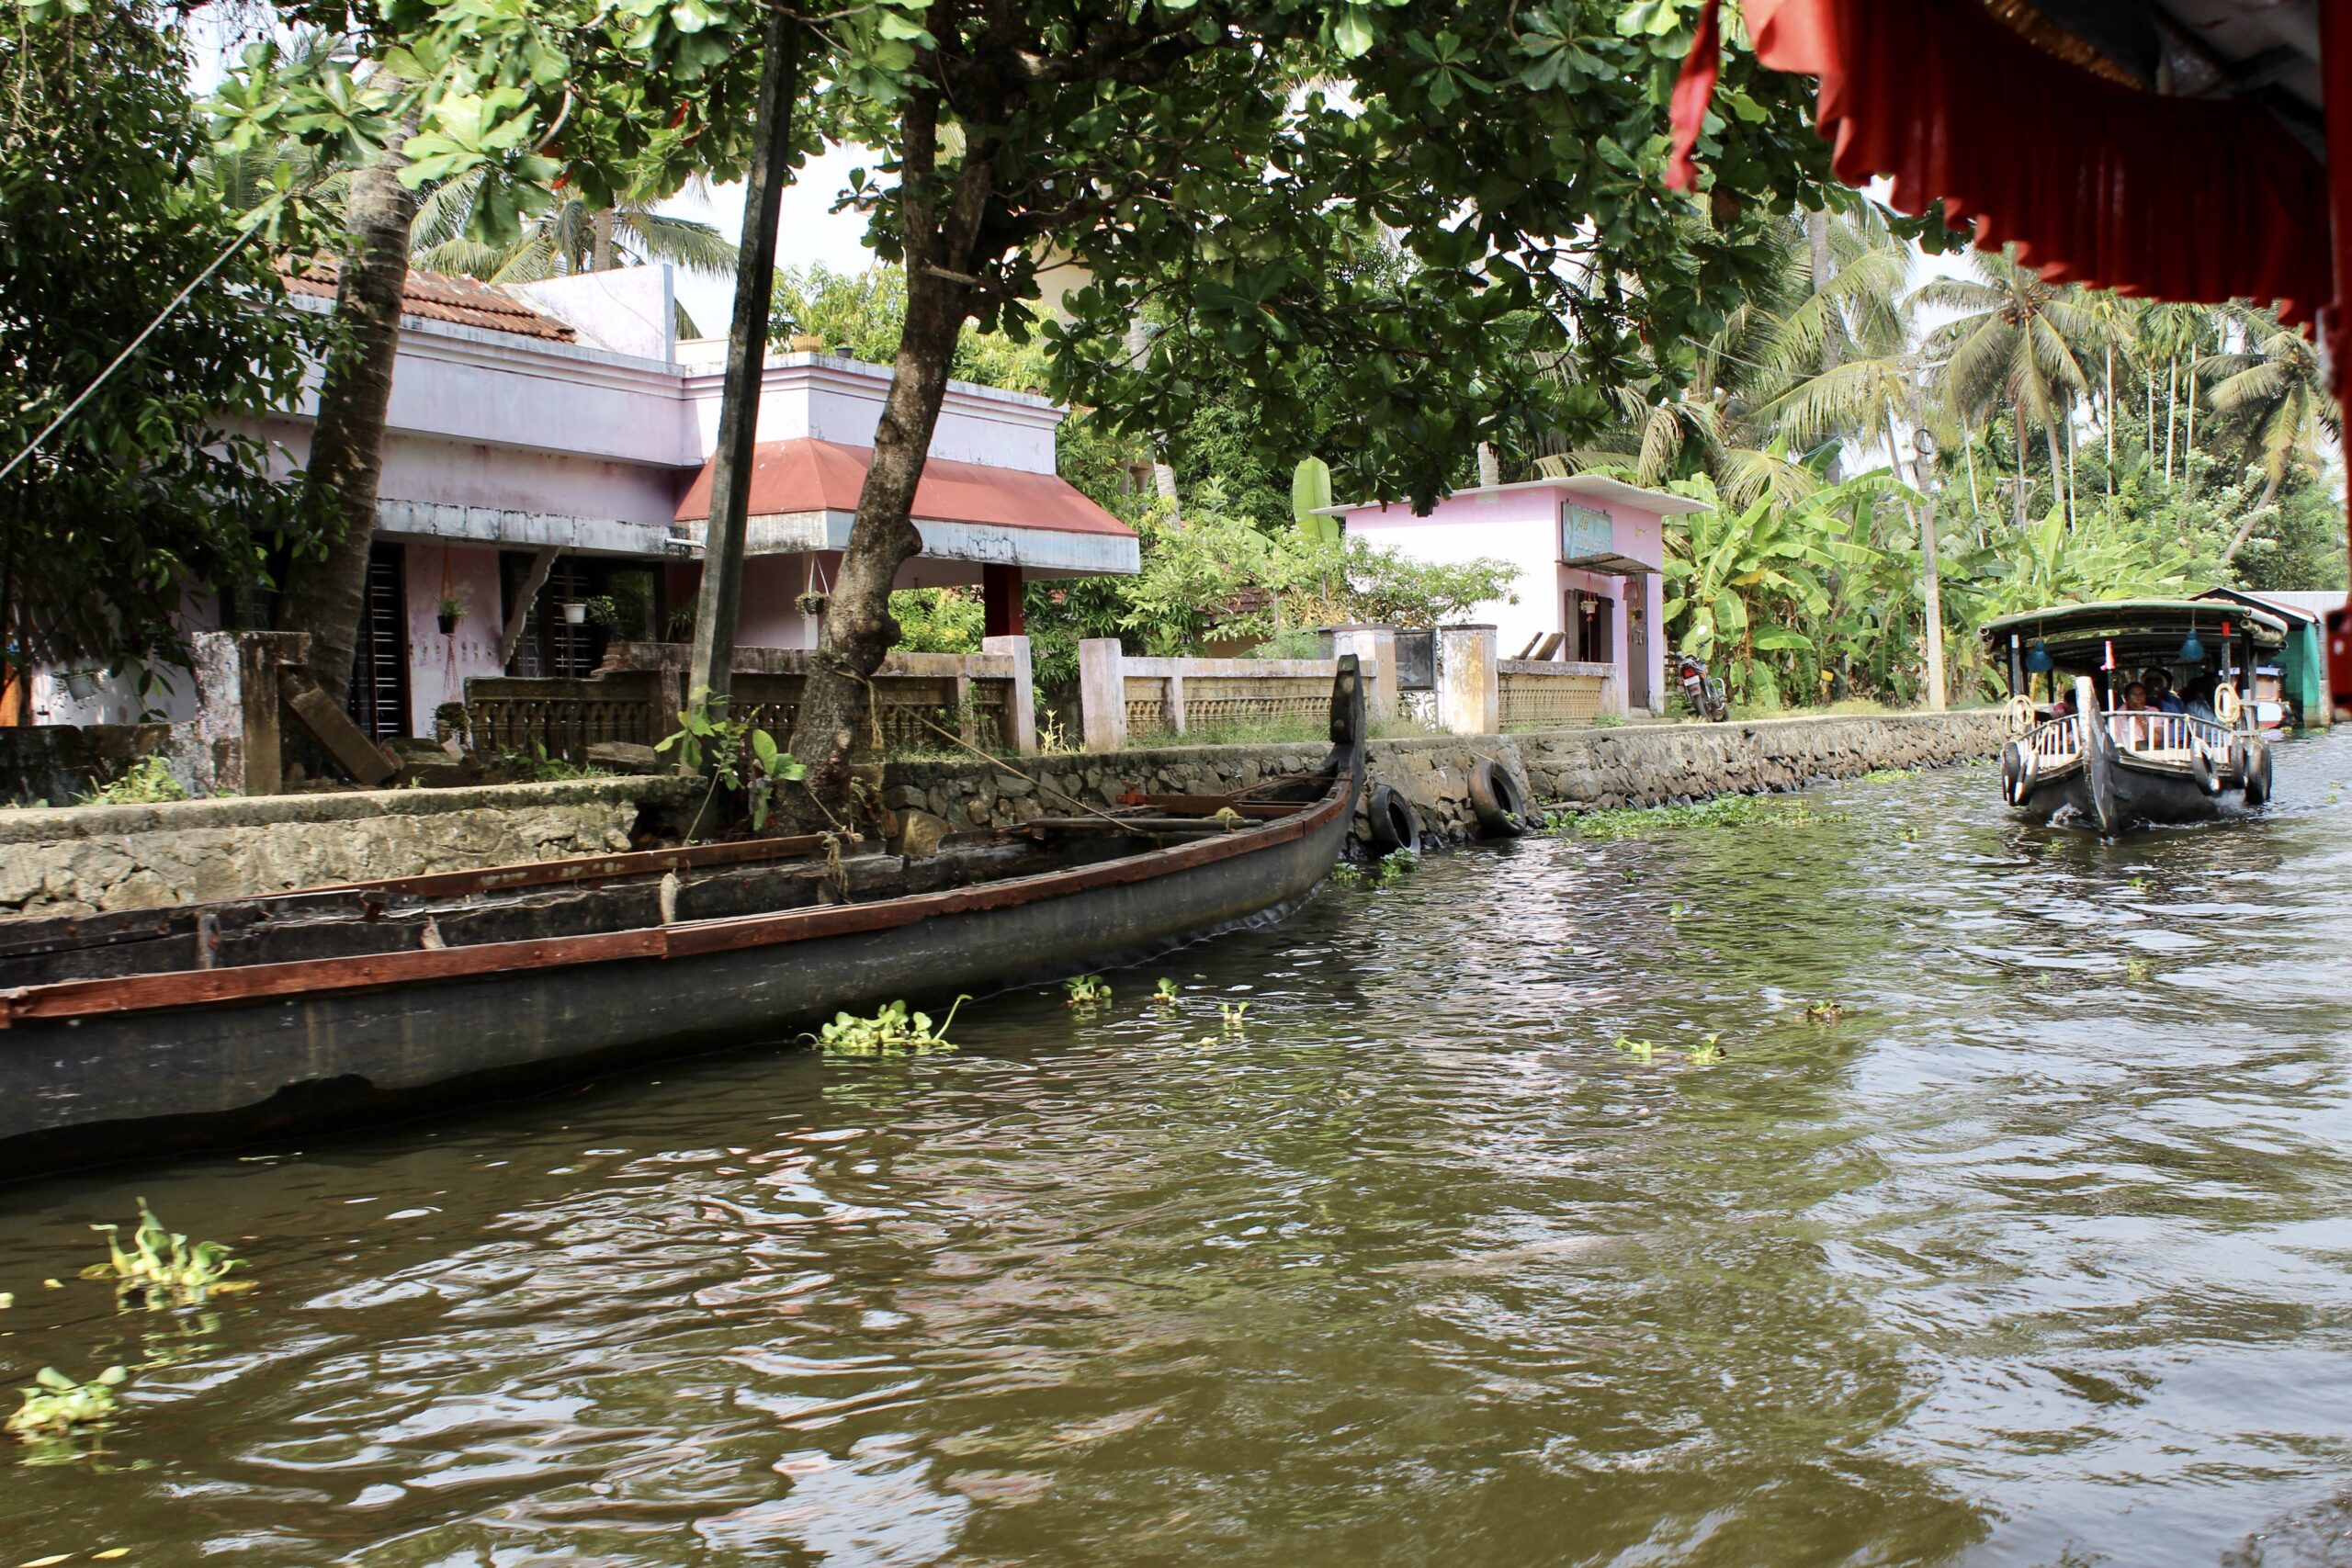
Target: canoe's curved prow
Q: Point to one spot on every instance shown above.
(1347, 718)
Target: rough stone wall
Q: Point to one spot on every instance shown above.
(119, 857)
(1577, 769)
(130, 857)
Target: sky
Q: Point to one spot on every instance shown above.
(808, 232)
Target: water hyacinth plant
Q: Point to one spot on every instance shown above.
(1165, 994)
(1232, 1014)
(894, 1032)
(162, 1266)
(55, 1404)
(1724, 811)
(1087, 991)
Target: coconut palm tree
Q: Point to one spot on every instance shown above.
(569, 237)
(2013, 341)
(2272, 396)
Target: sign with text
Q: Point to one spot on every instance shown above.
(1586, 533)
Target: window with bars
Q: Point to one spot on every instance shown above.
(380, 663)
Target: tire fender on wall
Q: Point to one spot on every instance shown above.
(1395, 824)
(1498, 799)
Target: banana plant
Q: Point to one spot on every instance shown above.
(1740, 581)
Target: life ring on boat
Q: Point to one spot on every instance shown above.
(2017, 773)
(2227, 706)
(2023, 714)
(1394, 824)
(2258, 772)
(1499, 800)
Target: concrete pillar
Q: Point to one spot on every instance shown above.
(1022, 718)
(1469, 687)
(1103, 693)
(232, 744)
(1376, 649)
(1173, 703)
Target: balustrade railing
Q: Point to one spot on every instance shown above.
(1540, 695)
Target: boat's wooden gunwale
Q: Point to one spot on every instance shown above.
(202, 988)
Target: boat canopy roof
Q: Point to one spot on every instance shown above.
(2143, 631)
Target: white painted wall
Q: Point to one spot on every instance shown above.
(825, 397)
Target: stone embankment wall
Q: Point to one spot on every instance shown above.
(131, 857)
(118, 857)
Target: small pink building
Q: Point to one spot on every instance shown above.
(1590, 552)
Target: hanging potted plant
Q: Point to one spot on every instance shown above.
(450, 611)
(575, 611)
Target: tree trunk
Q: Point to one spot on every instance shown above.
(323, 593)
(1968, 450)
(2189, 443)
(2246, 528)
(2017, 428)
(2172, 413)
(1163, 473)
(2058, 474)
(943, 251)
(1823, 271)
(719, 598)
(2107, 417)
(599, 228)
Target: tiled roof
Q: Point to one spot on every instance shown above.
(806, 475)
(437, 297)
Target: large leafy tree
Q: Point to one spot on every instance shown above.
(1224, 163)
(141, 499)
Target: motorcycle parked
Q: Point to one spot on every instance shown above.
(1700, 691)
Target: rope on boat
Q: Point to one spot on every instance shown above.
(1043, 786)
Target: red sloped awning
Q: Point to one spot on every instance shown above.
(2095, 182)
(807, 474)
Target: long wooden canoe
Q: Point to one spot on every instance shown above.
(215, 1023)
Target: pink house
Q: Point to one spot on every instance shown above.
(546, 479)
(1590, 552)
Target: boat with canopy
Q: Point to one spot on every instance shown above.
(2135, 711)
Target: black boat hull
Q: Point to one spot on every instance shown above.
(76, 1089)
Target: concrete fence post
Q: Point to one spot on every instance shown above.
(1375, 648)
(1103, 693)
(232, 744)
(1469, 688)
(1172, 704)
(1022, 718)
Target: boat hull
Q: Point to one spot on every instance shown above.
(2112, 790)
(99, 1085)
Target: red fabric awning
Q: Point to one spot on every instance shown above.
(2095, 182)
(807, 474)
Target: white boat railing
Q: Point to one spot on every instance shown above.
(2166, 734)
(2060, 741)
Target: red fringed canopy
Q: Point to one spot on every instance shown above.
(2095, 182)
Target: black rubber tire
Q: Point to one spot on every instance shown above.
(1499, 800)
(2257, 771)
(1394, 825)
(2013, 772)
(2200, 768)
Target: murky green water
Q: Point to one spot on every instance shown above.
(2038, 1254)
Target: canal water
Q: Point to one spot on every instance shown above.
(2010, 1226)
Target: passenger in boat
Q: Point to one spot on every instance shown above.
(2160, 692)
(2201, 700)
(2133, 733)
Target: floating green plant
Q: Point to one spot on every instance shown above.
(1395, 867)
(2139, 884)
(160, 1266)
(1640, 1050)
(1890, 775)
(1087, 991)
(2137, 969)
(1823, 1012)
(1165, 993)
(55, 1404)
(1724, 811)
(1707, 1052)
(893, 1032)
(1345, 875)
(1232, 1013)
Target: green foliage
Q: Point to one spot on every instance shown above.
(536, 766)
(1310, 491)
(1087, 991)
(145, 783)
(1232, 1016)
(55, 1404)
(141, 499)
(1165, 993)
(893, 1032)
(738, 755)
(161, 1267)
(939, 620)
(1724, 811)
